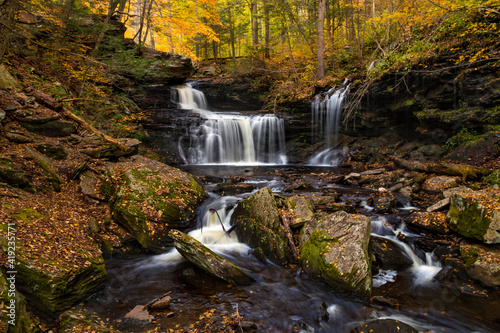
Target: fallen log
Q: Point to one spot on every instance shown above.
(448, 169)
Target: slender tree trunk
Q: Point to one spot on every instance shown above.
(231, 33)
(255, 25)
(7, 11)
(320, 46)
(267, 36)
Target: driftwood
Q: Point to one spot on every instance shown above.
(52, 103)
(286, 221)
(448, 169)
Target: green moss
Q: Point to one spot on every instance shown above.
(470, 256)
(27, 215)
(469, 220)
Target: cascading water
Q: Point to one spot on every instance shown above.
(326, 116)
(229, 138)
(423, 270)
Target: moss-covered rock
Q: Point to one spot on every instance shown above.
(337, 251)
(476, 214)
(482, 263)
(493, 179)
(62, 276)
(149, 198)
(12, 175)
(56, 128)
(13, 315)
(209, 261)
(47, 167)
(73, 321)
(258, 224)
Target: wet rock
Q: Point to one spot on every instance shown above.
(335, 249)
(476, 214)
(385, 302)
(258, 224)
(390, 255)
(12, 175)
(139, 312)
(80, 321)
(383, 202)
(301, 326)
(208, 260)
(301, 210)
(482, 263)
(436, 222)
(161, 304)
(148, 198)
(384, 325)
(232, 189)
(439, 183)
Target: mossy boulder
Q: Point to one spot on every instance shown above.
(476, 214)
(53, 128)
(13, 315)
(482, 263)
(258, 224)
(493, 179)
(12, 175)
(337, 251)
(53, 276)
(209, 261)
(149, 198)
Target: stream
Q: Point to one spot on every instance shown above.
(251, 149)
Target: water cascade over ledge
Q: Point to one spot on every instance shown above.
(229, 138)
(326, 115)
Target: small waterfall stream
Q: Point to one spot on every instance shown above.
(229, 138)
(326, 115)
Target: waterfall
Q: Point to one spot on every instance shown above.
(423, 270)
(326, 115)
(229, 138)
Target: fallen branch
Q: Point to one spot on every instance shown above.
(448, 169)
(54, 104)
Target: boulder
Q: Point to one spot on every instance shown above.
(52, 128)
(206, 259)
(336, 250)
(476, 214)
(436, 222)
(301, 210)
(482, 263)
(439, 183)
(148, 198)
(390, 255)
(7, 80)
(12, 175)
(383, 202)
(258, 224)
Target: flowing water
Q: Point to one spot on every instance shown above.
(282, 297)
(229, 138)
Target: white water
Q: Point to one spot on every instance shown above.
(423, 270)
(326, 116)
(213, 231)
(229, 138)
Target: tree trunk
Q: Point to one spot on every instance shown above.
(231, 33)
(7, 10)
(255, 25)
(320, 46)
(266, 26)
